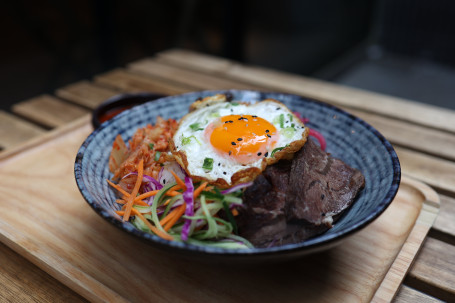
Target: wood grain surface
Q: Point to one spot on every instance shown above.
(62, 235)
(14, 130)
(48, 111)
(400, 109)
(423, 135)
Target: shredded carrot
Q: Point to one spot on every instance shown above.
(173, 193)
(166, 203)
(168, 217)
(117, 187)
(198, 190)
(175, 187)
(138, 202)
(129, 204)
(158, 232)
(126, 195)
(146, 195)
(179, 181)
(178, 214)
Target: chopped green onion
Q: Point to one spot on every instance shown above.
(157, 155)
(281, 120)
(195, 127)
(151, 146)
(276, 150)
(235, 103)
(214, 115)
(290, 117)
(187, 140)
(288, 132)
(208, 164)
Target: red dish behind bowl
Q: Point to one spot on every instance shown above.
(119, 103)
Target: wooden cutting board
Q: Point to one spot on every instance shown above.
(45, 219)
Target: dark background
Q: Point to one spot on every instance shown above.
(403, 48)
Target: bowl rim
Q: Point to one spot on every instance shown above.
(307, 245)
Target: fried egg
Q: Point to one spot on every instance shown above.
(226, 143)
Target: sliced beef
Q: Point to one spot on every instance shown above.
(294, 200)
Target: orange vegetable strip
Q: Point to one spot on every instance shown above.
(173, 193)
(117, 187)
(179, 181)
(158, 232)
(125, 193)
(129, 203)
(235, 212)
(198, 190)
(168, 217)
(166, 203)
(146, 195)
(138, 202)
(178, 214)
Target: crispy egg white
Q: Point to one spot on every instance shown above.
(227, 143)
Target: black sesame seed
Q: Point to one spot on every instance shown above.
(323, 214)
(266, 130)
(278, 108)
(239, 139)
(232, 110)
(226, 121)
(259, 153)
(224, 173)
(254, 116)
(287, 121)
(219, 163)
(269, 136)
(322, 196)
(233, 143)
(164, 181)
(266, 154)
(230, 153)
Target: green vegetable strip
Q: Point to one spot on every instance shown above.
(212, 226)
(196, 127)
(275, 150)
(142, 209)
(208, 164)
(157, 201)
(240, 239)
(168, 207)
(157, 155)
(230, 217)
(281, 120)
(233, 199)
(139, 224)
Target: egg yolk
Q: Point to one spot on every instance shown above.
(245, 138)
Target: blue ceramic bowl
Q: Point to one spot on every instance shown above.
(348, 138)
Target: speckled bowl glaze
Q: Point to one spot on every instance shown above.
(348, 138)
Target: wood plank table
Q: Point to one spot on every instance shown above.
(423, 136)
